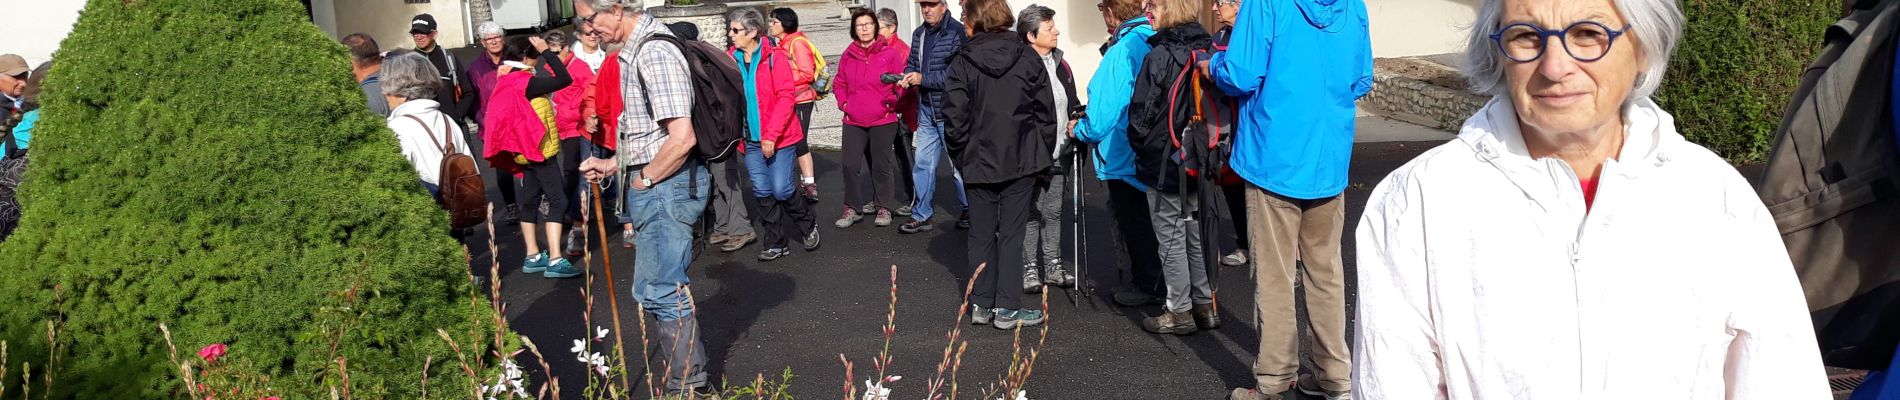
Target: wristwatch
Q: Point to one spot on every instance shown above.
(644, 181)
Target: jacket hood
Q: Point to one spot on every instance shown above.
(1189, 33)
(1648, 129)
(994, 53)
(1322, 13)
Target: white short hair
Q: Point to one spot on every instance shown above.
(631, 6)
(487, 29)
(410, 76)
(1656, 26)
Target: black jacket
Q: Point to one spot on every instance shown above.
(1066, 76)
(1153, 108)
(457, 94)
(997, 124)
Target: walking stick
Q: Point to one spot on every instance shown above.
(613, 294)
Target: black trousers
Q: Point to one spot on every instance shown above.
(904, 162)
(572, 151)
(542, 179)
(785, 220)
(1236, 203)
(998, 212)
(1137, 234)
(866, 144)
(804, 124)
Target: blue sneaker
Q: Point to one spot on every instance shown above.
(561, 269)
(535, 264)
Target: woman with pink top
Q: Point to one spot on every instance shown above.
(870, 119)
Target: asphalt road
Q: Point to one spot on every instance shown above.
(803, 311)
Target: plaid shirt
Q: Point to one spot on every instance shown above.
(667, 92)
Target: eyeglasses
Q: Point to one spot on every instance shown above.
(736, 31)
(1585, 41)
(589, 20)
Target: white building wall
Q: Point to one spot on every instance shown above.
(387, 21)
(34, 28)
(1404, 28)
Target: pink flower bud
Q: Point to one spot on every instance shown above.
(210, 353)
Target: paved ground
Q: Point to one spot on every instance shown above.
(803, 311)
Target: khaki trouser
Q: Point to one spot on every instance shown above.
(1283, 229)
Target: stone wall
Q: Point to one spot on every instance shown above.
(710, 18)
(1418, 101)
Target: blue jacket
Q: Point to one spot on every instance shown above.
(1110, 90)
(930, 55)
(1297, 67)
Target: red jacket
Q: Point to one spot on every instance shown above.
(511, 127)
(774, 85)
(859, 87)
(571, 106)
(607, 102)
(804, 64)
(907, 97)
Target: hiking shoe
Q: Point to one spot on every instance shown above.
(1252, 394)
(850, 217)
(868, 208)
(1028, 318)
(811, 192)
(963, 221)
(904, 211)
(1235, 259)
(576, 242)
(1032, 279)
(1005, 319)
(535, 263)
(739, 241)
(915, 226)
(883, 217)
(561, 269)
(717, 239)
(1176, 323)
(811, 239)
(774, 254)
(626, 239)
(1205, 316)
(980, 315)
(1059, 276)
(1135, 298)
(1310, 386)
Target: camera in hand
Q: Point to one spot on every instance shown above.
(890, 78)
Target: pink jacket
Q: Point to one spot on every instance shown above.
(571, 104)
(773, 81)
(511, 126)
(866, 100)
(804, 64)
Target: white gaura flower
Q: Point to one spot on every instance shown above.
(600, 333)
(874, 390)
(579, 346)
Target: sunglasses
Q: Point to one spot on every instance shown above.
(736, 31)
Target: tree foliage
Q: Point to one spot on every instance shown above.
(1738, 64)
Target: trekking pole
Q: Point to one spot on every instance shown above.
(1081, 227)
(613, 294)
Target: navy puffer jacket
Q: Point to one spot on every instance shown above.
(930, 52)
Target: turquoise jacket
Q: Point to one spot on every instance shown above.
(23, 132)
(1297, 66)
(1113, 85)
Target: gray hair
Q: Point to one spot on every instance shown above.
(410, 76)
(750, 18)
(1029, 22)
(1655, 26)
(887, 16)
(487, 29)
(631, 6)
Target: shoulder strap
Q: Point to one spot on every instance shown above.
(445, 135)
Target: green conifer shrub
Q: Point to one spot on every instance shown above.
(1736, 68)
(211, 165)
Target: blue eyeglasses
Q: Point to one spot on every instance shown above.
(1585, 41)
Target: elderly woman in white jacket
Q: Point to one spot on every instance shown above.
(409, 83)
(1569, 244)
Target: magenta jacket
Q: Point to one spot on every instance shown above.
(866, 100)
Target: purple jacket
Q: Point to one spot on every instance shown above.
(866, 100)
(483, 71)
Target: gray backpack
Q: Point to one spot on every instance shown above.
(1833, 186)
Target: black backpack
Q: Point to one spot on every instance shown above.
(1833, 186)
(718, 97)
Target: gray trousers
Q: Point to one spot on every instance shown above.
(728, 200)
(1182, 268)
(1044, 231)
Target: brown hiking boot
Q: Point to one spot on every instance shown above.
(1205, 316)
(1177, 323)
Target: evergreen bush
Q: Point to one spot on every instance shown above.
(211, 165)
(1738, 64)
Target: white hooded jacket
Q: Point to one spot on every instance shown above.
(420, 141)
(1482, 275)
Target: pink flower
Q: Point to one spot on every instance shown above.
(211, 352)
(272, 398)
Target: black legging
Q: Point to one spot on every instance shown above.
(572, 150)
(862, 144)
(538, 180)
(804, 123)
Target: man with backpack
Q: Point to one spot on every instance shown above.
(661, 154)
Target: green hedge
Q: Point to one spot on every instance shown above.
(211, 165)
(1737, 66)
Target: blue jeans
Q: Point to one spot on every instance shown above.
(774, 177)
(929, 140)
(663, 216)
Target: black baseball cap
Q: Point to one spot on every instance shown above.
(422, 23)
